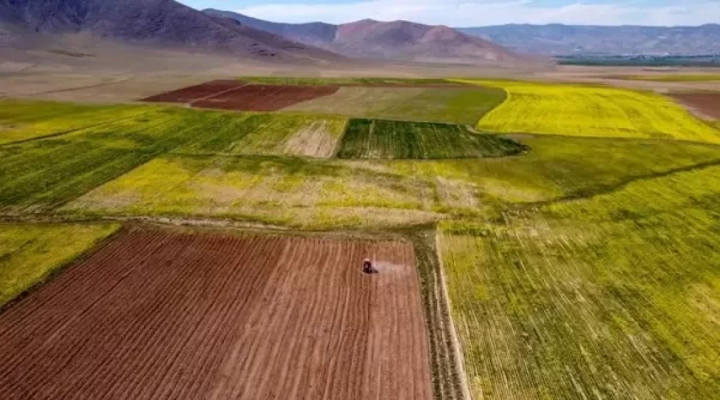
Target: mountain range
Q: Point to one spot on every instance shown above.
(556, 39)
(374, 39)
(160, 23)
(167, 24)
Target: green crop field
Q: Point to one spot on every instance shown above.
(616, 295)
(592, 111)
(449, 105)
(31, 253)
(327, 194)
(26, 120)
(578, 230)
(271, 134)
(43, 174)
(420, 140)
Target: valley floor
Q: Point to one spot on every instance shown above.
(576, 237)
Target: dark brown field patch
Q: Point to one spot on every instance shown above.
(706, 105)
(192, 93)
(160, 315)
(265, 97)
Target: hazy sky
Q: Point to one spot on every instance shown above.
(478, 12)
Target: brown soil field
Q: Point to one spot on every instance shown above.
(265, 97)
(705, 104)
(160, 315)
(191, 93)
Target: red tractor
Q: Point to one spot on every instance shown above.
(368, 267)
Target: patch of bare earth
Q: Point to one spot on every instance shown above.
(704, 105)
(315, 140)
(161, 315)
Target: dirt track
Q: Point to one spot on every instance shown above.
(154, 315)
(191, 93)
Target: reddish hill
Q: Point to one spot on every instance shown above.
(397, 39)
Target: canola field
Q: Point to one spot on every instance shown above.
(29, 254)
(588, 111)
(615, 295)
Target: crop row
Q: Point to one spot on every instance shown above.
(46, 173)
(270, 134)
(419, 140)
(25, 120)
(611, 296)
(592, 111)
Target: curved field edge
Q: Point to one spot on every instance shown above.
(32, 253)
(591, 111)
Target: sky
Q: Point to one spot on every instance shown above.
(467, 13)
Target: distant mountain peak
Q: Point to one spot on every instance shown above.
(392, 39)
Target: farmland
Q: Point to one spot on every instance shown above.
(68, 166)
(225, 317)
(22, 120)
(271, 134)
(706, 104)
(613, 295)
(454, 105)
(169, 251)
(336, 194)
(417, 140)
(29, 254)
(673, 77)
(592, 111)
(304, 81)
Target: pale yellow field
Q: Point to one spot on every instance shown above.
(576, 110)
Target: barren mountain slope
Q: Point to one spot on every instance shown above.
(156, 22)
(397, 39)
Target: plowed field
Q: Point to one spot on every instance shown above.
(192, 93)
(265, 97)
(706, 104)
(189, 316)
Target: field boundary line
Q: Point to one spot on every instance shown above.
(52, 135)
(459, 359)
(12, 95)
(621, 185)
(242, 85)
(96, 246)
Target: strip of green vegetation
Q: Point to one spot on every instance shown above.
(270, 134)
(616, 295)
(366, 138)
(448, 105)
(46, 173)
(25, 120)
(673, 78)
(29, 254)
(309, 81)
(332, 194)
